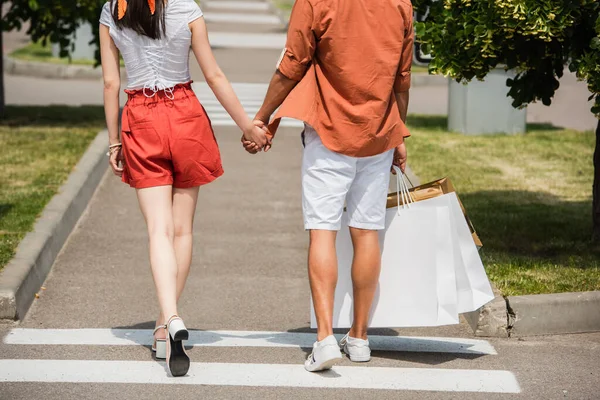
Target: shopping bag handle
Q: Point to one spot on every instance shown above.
(402, 189)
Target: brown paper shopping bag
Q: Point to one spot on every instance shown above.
(434, 189)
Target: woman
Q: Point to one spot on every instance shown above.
(167, 148)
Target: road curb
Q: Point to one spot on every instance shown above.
(537, 314)
(545, 314)
(492, 319)
(14, 66)
(22, 278)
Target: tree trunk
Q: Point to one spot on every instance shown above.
(596, 189)
(1, 66)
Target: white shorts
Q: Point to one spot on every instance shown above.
(329, 179)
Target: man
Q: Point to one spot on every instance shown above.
(345, 72)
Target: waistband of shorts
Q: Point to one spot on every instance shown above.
(146, 95)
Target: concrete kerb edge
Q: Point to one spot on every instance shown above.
(555, 313)
(537, 314)
(14, 66)
(22, 278)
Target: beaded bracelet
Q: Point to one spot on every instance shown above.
(112, 147)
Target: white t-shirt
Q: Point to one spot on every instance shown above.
(156, 64)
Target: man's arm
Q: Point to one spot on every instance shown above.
(402, 86)
(402, 83)
(291, 68)
(402, 100)
(279, 88)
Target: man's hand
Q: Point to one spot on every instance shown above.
(400, 157)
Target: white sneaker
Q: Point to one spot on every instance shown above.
(325, 354)
(357, 349)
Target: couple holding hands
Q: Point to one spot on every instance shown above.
(345, 72)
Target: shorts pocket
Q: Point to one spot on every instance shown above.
(189, 108)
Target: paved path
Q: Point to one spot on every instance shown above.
(247, 303)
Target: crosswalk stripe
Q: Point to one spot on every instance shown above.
(272, 375)
(250, 94)
(237, 5)
(143, 337)
(235, 18)
(266, 41)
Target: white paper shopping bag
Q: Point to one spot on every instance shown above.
(417, 285)
(472, 285)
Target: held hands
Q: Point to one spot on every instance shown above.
(400, 157)
(257, 139)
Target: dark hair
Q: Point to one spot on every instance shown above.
(139, 18)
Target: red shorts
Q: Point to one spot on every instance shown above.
(168, 140)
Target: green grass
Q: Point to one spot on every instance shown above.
(528, 196)
(419, 69)
(40, 146)
(284, 5)
(39, 53)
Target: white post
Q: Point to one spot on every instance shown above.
(82, 49)
(484, 107)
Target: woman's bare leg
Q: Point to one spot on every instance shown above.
(156, 205)
(184, 207)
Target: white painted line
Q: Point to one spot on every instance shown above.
(272, 375)
(272, 41)
(234, 18)
(250, 94)
(116, 337)
(237, 5)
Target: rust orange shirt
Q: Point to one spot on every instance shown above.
(350, 57)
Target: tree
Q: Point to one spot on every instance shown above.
(536, 38)
(50, 20)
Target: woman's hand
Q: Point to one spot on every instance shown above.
(116, 159)
(252, 146)
(256, 135)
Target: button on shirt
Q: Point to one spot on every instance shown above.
(350, 58)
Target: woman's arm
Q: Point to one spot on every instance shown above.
(220, 86)
(111, 75)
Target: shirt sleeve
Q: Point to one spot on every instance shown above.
(402, 83)
(301, 42)
(106, 16)
(195, 12)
